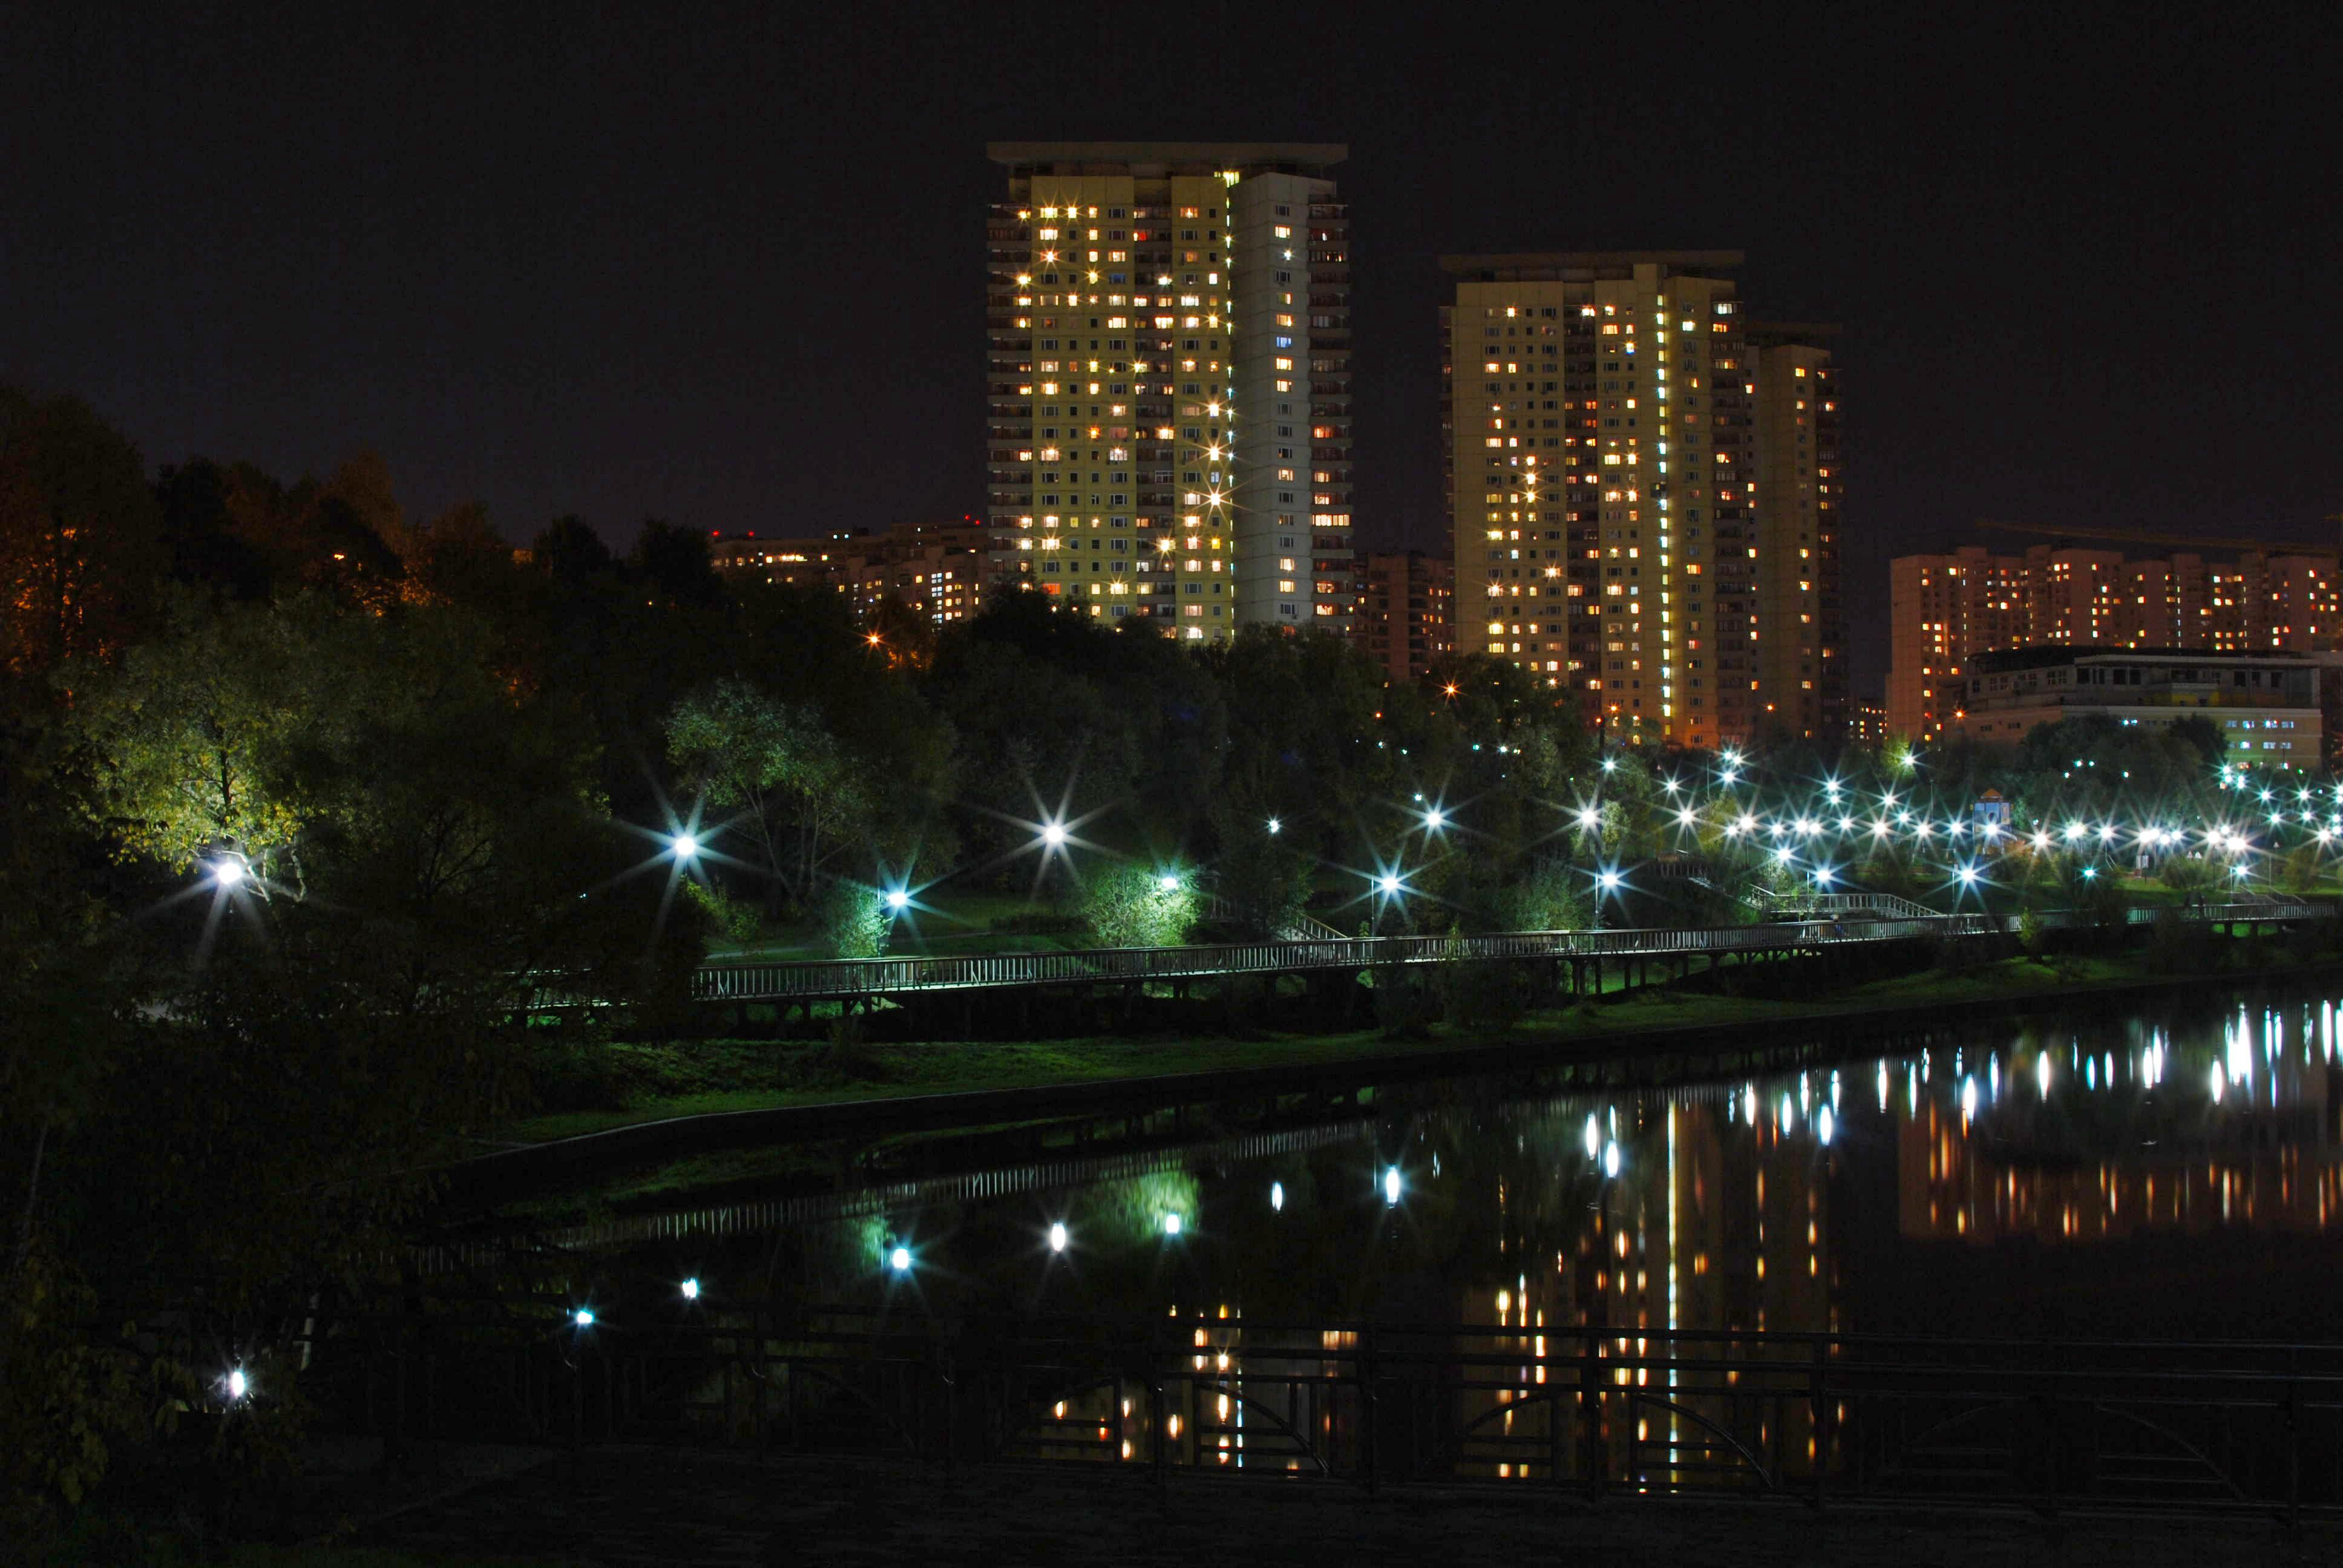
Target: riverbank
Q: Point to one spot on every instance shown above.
(651, 1081)
(681, 1133)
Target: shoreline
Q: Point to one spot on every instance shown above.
(505, 1172)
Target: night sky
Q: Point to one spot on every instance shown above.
(724, 267)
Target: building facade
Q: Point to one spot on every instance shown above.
(1944, 610)
(939, 571)
(1404, 621)
(2265, 706)
(1611, 461)
(1168, 432)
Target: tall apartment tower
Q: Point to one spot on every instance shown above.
(1601, 466)
(1800, 629)
(1169, 386)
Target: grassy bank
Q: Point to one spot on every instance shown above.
(603, 1086)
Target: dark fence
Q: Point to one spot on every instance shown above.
(814, 979)
(1808, 1417)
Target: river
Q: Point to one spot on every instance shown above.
(2169, 1169)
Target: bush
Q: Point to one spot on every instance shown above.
(2032, 935)
(852, 921)
(1486, 997)
(1128, 906)
(736, 922)
(1550, 897)
(2187, 874)
(2304, 865)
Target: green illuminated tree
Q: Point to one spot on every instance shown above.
(797, 793)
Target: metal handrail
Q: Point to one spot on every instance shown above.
(836, 978)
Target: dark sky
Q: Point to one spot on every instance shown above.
(724, 266)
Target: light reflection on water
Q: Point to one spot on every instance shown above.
(2172, 1173)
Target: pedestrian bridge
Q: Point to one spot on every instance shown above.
(1841, 925)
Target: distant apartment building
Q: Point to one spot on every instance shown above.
(1403, 614)
(1945, 609)
(1643, 493)
(1866, 723)
(1169, 395)
(775, 559)
(2267, 706)
(942, 571)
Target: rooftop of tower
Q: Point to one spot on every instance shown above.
(1203, 157)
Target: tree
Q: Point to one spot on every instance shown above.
(187, 741)
(81, 548)
(796, 790)
(1262, 879)
(1132, 906)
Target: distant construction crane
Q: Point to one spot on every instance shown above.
(2175, 542)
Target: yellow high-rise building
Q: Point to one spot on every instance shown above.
(1643, 493)
(1601, 483)
(1170, 382)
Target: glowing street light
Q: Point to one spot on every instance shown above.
(583, 1317)
(1277, 1197)
(898, 899)
(1609, 879)
(1434, 820)
(1391, 1186)
(227, 873)
(1053, 834)
(691, 1288)
(238, 1385)
(1387, 884)
(1275, 826)
(900, 1259)
(1057, 1236)
(685, 845)
(1173, 1224)
(1611, 1159)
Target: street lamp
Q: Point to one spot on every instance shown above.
(686, 846)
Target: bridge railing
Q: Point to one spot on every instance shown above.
(836, 978)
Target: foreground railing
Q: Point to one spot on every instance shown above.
(1812, 1417)
(1830, 925)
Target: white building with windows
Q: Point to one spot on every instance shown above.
(2265, 705)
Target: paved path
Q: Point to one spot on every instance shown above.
(645, 1506)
